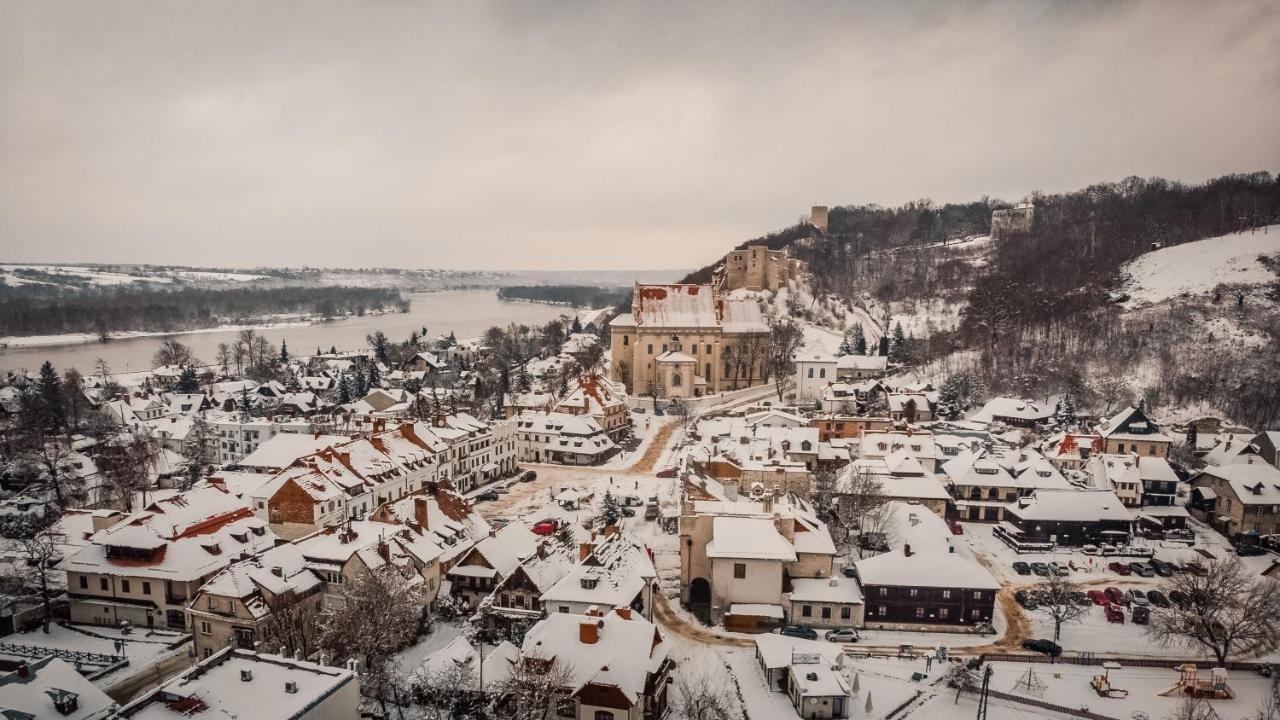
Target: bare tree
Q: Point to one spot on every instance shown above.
(223, 357)
(38, 549)
(198, 450)
(961, 677)
(704, 696)
(448, 691)
(1113, 390)
(172, 352)
(378, 613)
(785, 338)
(1057, 599)
(1227, 607)
(1193, 709)
(291, 625)
(48, 457)
(535, 687)
(125, 467)
(861, 503)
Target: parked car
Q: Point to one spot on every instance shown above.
(842, 635)
(849, 571)
(1114, 614)
(1081, 599)
(956, 527)
(1179, 598)
(1059, 569)
(1137, 597)
(1250, 551)
(1158, 599)
(1141, 615)
(546, 527)
(800, 631)
(631, 501)
(1108, 549)
(628, 511)
(1119, 568)
(1141, 568)
(667, 473)
(1116, 596)
(1162, 568)
(1097, 597)
(1048, 647)
(1025, 599)
(488, 495)
(1041, 569)
(1090, 549)
(1021, 568)
(528, 476)
(1195, 568)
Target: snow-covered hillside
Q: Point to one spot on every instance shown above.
(1196, 268)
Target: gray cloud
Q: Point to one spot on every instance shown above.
(588, 135)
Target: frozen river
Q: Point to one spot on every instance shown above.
(465, 313)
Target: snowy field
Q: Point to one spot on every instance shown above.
(1196, 268)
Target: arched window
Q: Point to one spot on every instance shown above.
(675, 380)
(626, 340)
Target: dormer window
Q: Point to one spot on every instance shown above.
(588, 583)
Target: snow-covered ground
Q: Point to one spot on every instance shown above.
(79, 275)
(1196, 268)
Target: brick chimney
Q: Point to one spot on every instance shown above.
(584, 550)
(623, 612)
(588, 633)
(420, 512)
(786, 526)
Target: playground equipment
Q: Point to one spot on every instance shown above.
(1191, 684)
(1030, 684)
(1101, 684)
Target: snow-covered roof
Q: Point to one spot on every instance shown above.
(1254, 483)
(612, 574)
(626, 650)
(1073, 506)
(47, 679)
(283, 449)
(1007, 407)
(217, 688)
(927, 568)
(748, 539)
(835, 589)
(776, 651)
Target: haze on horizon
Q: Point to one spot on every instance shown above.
(588, 135)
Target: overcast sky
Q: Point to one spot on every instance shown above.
(611, 135)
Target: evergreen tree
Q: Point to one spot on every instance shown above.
(576, 326)
(948, 400)
(378, 341)
(859, 340)
(1065, 414)
(453, 339)
(187, 381)
(246, 405)
(52, 408)
(898, 350)
(375, 376)
(883, 349)
(846, 343)
(522, 383)
(291, 382)
(333, 349)
(358, 387)
(344, 390)
(610, 514)
(284, 353)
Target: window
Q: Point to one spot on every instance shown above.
(206, 628)
(975, 614)
(695, 348)
(124, 586)
(946, 594)
(675, 380)
(806, 611)
(213, 604)
(845, 613)
(810, 372)
(664, 347)
(739, 571)
(944, 612)
(913, 592)
(826, 613)
(564, 608)
(625, 341)
(102, 584)
(919, 612)
(650, 348)
(603, 715)
(708, 348)
(822, 372)
(884, 591)
(882, 610)
(84, 583)
(977, 594)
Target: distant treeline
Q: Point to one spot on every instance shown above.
(39, 310)
(574, 295)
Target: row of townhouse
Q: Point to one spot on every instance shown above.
(556, 437)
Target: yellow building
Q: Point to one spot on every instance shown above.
(688, 340)
(758, 268)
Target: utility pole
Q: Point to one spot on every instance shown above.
(982, 695)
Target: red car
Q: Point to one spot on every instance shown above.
(1120, 568)
(1097, 597)
(546, 527)
(1114, 614)
(956, 527)
(1116, 596)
